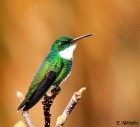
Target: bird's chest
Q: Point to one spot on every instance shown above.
(65, 73)
(65, 78)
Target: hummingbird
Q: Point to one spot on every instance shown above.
(55, 69)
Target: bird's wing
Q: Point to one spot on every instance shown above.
(42, 88)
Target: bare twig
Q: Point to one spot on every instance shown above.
(74, 100)
(25, 114)
(47, 103)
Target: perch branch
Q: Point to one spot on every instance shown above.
(25, 114)
(47, 103)
(74, 100)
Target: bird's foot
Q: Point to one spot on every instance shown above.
(56, 90)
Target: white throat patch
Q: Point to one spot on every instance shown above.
(68, 52)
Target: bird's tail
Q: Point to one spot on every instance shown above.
(35, 98)
(22, 104)
(42, 88)
(29, 103)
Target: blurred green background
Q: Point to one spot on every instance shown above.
(108, 64)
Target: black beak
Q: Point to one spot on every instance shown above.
(79, 38)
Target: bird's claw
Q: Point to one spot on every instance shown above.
(56, 90)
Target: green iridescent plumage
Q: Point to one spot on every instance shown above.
(53, 70)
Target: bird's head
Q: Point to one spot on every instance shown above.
(65, 46)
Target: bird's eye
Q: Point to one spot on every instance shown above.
(62, 43)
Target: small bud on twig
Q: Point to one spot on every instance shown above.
(20, 96)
